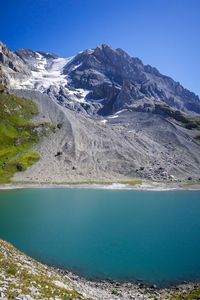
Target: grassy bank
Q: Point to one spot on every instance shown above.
(17, 134)
(22, 276)
(25, 276)
(131, 182)
(177, 116)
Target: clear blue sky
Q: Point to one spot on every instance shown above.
(163, 33)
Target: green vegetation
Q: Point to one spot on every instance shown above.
(191, 183)
(26, 274)
(177, 117)
(115, 292)
(193, 295)
(132, 182)
(11, 271)
(197, 137)
(27, 160)
(17, 134)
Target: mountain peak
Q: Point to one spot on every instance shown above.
(103, 46)
(109, 74)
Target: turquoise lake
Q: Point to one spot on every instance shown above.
(99, 234)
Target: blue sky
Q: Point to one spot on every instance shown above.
(163, 33)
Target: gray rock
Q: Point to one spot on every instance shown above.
(122, 80)
(11, 66)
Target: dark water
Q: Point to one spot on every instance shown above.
(117, 234)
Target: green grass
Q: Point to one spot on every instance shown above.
(197, 138)
(115, 292)
(17, 134)
(132, 182)
(11, 271)
(177, 116)
(193, 295)
(14, 266)
(191, 183)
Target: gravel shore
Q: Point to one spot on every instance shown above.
(118, 185)
(23, 278)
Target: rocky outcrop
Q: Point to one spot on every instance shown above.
(3, 79)
(11, 66)
(121, 80)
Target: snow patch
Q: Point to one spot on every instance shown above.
(48, 72)
(113, 117)
(79, 95)
(76, 67)
(120, 111)
(103, 121)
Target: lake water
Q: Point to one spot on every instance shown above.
(118, 234)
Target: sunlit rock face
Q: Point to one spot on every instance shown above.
(12, 68)
(116, 117)
(96, 81)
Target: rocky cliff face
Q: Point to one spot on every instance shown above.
(115, 118)
(12, 68)
(124, 81)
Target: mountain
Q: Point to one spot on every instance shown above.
(115, 118)
(111, 78)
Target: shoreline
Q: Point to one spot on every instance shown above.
(114, 282)
(143, 186)
(23, 277)
(139, 288)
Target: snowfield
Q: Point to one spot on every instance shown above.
(48, 73)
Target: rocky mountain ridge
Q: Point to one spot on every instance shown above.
(115, 117)
(98, 81)
(123, 81)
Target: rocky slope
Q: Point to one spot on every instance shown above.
(23, 278)
(115, 118)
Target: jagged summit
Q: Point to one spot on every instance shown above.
(26, 54)
(124, 81)
(96, 81)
